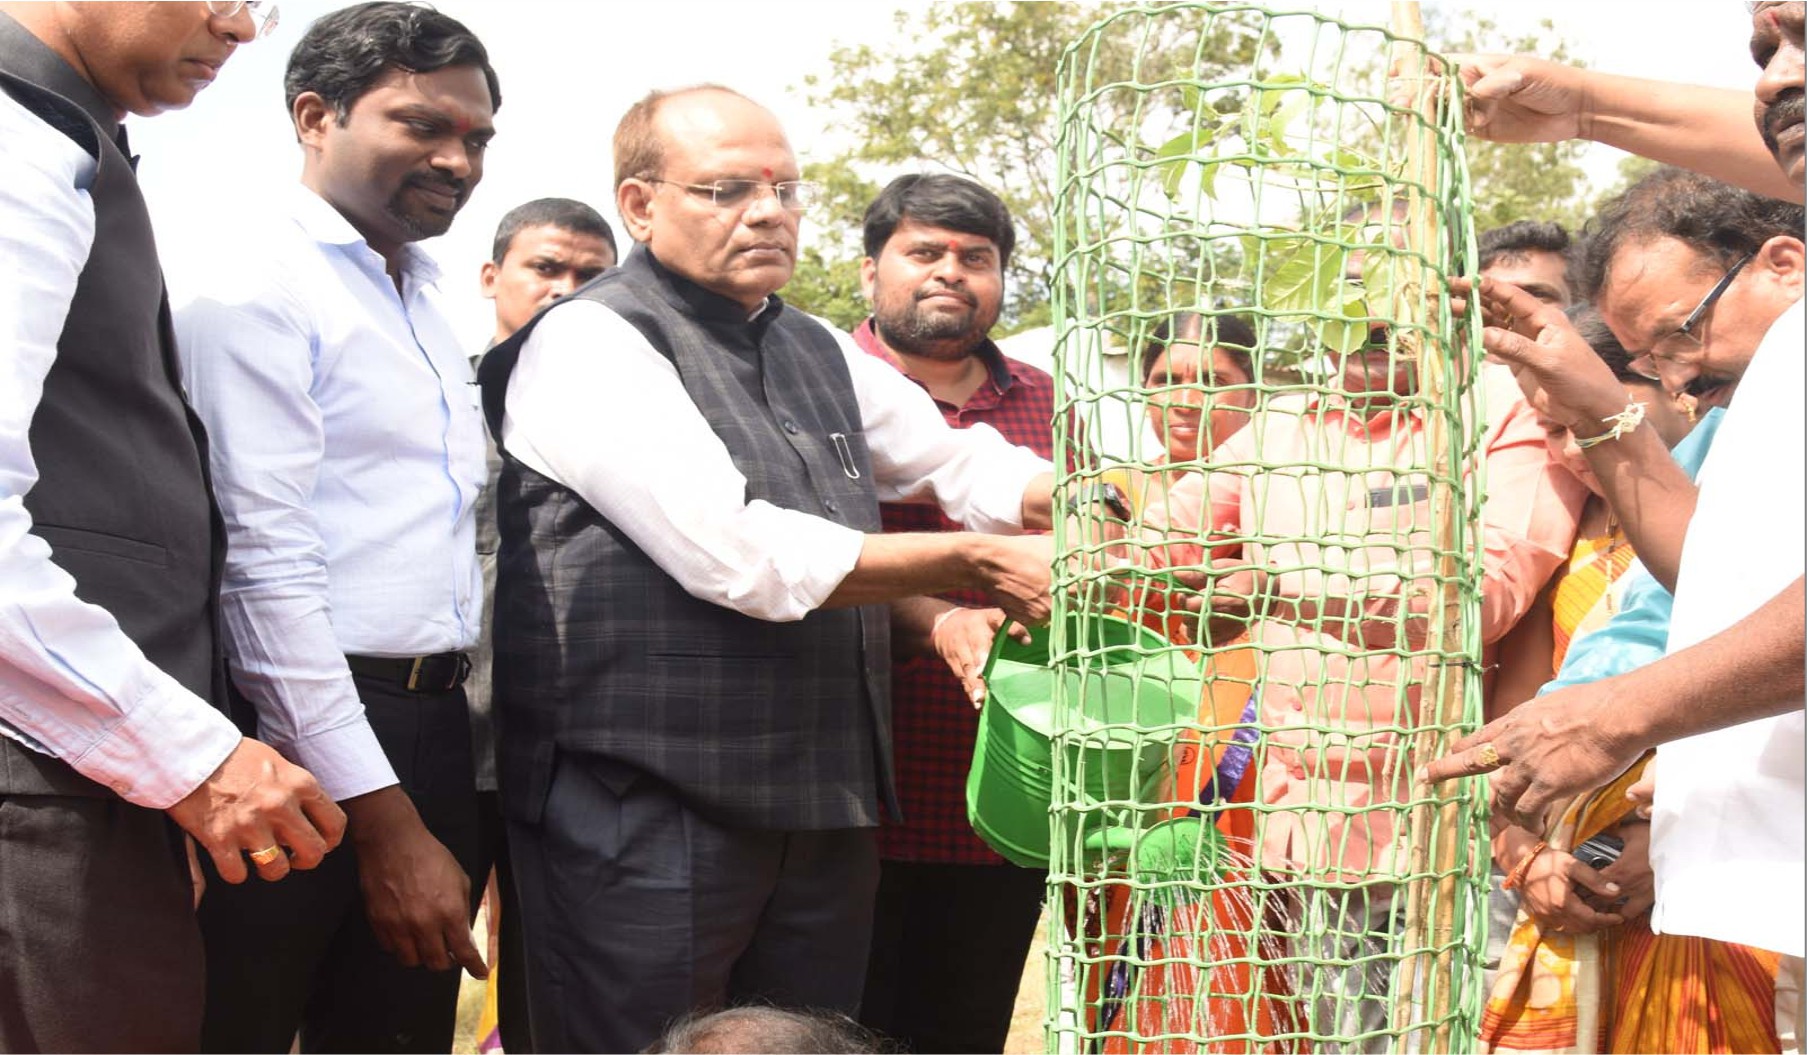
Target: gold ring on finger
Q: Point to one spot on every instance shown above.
(1489, 756)
(267, 855)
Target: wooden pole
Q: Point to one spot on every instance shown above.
(1434, 829)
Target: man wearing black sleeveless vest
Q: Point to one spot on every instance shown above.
(691, 645)
(110, 744)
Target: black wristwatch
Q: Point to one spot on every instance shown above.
(1103, 492)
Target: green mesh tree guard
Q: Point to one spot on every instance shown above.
(1322, 512)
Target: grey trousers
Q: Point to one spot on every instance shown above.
(1349, 932)
(636, 910)
(99, 949)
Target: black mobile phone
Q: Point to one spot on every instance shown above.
(1599, 851)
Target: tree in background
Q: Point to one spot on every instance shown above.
(971, 88)
(827, 279)
(1514, 181)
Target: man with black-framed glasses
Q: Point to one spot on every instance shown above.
(1686, 340)
(1703, 281)
(1724, 707)
(691, 645)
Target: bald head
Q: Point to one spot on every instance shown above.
(708, 183)
(641, 136)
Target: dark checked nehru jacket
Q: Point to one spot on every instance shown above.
(599, 652)
(122, 493)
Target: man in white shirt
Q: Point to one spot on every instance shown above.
(691, 643)
(1727, 702)
(348, 455)
(109, 736)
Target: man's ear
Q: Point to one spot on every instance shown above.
(311, 115)
(868, 273)
(486, 279)
(1785, 258)
(634, 201)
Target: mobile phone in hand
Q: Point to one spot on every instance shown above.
(1599, 851)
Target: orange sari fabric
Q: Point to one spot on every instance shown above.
(1193, 971)
(1623, 989)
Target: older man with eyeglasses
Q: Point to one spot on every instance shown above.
(691, 639)
(1706, 283)
(112, 740)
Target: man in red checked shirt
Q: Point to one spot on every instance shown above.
(953, 919)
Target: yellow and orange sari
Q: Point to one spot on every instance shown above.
(1623, 989)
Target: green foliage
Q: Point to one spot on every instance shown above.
(970, 88)
(827, 279)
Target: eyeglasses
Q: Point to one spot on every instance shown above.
(1645, 365)
(263, 15)
(793, 195)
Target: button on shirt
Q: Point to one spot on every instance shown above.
(72, 684)
(347, 458)
(1726, 828)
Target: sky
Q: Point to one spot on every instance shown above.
(569, 69)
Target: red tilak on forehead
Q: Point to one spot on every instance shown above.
(953, 247)
(462, 125)
(766, 172)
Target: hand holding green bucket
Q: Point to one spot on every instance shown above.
(1129, 694)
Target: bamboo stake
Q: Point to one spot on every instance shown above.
(1431, 897)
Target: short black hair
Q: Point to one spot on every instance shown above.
(563, 213)
(758, 1028)
(1522, 237)
(1599, 337)
(939, 200)
(344, 53)
(1232, 333)
(1716, 219)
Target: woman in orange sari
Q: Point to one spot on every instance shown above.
(1582, 971)
(1196, 978)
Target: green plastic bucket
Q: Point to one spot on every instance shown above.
(1128, 685)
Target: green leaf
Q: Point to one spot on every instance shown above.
(1339, 335)
(1379, 275)
(1207, 178)
(1306, 279)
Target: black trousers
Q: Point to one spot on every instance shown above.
(98, 945)
(637, 909)
(948, 944)
(298, 955)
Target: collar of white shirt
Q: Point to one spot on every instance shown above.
(324, 224)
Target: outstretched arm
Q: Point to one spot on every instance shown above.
(1582, 736)
(1521, 99)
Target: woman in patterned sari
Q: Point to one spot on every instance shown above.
(1582, 971)
(1202, 959)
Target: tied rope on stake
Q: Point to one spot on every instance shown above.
(1255, 646)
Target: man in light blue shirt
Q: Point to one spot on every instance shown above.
(348, 458)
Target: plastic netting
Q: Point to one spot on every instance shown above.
(1268, 589)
